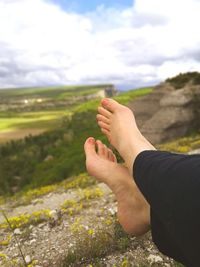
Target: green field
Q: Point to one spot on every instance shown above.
(55, 93)
(49, 119)
(59, 133)
(43, 120)
(40, 117)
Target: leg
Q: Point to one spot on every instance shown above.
(118, 123)
(133, 210)
(170, 182)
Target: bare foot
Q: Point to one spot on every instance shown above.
(133, 210)
(118, 123)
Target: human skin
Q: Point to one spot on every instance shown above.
(133, 210)
(118, 123)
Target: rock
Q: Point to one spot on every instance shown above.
(194, 152)
(32, 241)
(55, 217)
(17, 231)
(154, 258)
(41, 225)
(168, 123)
(36, 201)
(55, 214)
(28, 259)
(113, 211)
(46, 228)
(176, 114)
(177, 98)
(31, 227)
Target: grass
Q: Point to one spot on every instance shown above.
(82, 92)
(182, 145)
(94, 243)
(53, 92)
(71, 206)
(26, 219)
(5, 241)
(83, 180)
(43, 120)
(122, 98)
(126, 97)
(11, 121)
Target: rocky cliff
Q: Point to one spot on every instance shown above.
(168, 113)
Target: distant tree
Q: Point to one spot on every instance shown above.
(182, 79)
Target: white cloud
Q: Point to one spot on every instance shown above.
(41, 44)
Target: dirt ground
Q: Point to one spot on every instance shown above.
(84, 236)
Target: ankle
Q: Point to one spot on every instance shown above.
(134, 149)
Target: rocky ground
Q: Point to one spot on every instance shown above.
(71, 227)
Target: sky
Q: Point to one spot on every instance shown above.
(84, 6)
(128, 43)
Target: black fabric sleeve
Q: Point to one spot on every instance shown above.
(170, 183)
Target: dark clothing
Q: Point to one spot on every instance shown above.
(171, 184)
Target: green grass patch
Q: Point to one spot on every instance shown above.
(26, 219)
(122, 98)
(42, 120)
(46, 119)
(94, 243)
(182, 145)
(126, 97)
(76, 93)
(87, 106)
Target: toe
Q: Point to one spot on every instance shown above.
(100, 148)
(103, 151)
(107, 133)
(106, 152)
(111, 156)
(89, 147)
(104, 125)
(110, 104)
(103, 119)
(104, 112)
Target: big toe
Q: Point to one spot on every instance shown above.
(89, 147)
(110, 104)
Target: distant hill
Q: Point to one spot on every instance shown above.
(25, 111)
(183, 79)
(53, 91)
(41, 98)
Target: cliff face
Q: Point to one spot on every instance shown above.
(168, 113)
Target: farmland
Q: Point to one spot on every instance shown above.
(36, 110)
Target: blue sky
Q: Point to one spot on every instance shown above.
(83, 6)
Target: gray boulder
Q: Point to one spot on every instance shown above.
(168, 113)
